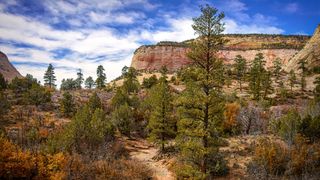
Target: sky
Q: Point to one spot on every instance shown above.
(73, 34)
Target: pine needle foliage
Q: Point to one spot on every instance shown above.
(201, 105)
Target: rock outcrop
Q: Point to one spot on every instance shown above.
(174, 55)
(310, 53)
(7, 69)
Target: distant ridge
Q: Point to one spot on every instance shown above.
(7, 69)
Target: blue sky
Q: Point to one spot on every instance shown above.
(73, 34)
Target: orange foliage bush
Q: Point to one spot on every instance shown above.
(230, 124)
(305, 157)
(271, 155)
(15, 163)
(302, 159)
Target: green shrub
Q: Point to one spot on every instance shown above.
(287, 126)
(310, 127)
(149, 82)
(3, 83)
(4, 105)
(67, 105)
(122, 118)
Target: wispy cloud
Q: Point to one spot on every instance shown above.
(292, 7)
(74, 34)
(239, 20)
(84, 47)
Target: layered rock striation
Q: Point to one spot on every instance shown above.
(173, 55)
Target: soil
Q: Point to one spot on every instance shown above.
(145, 153)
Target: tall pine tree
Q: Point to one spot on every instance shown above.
(240, 69)
(256, 74)
(79, 79)
(101, 77)
(131, 83)
(292, 79)
(277, 68)
(67, 105)
(49, 77)
(302, 67)
(161, 122)
(201, 104)
(266, 84)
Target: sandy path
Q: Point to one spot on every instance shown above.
(142, 151)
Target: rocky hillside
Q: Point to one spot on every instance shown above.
(311, 53)
(7, 69)
(173, 54)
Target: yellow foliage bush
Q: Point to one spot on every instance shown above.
(271, 155)
(305, 157)
(230, 124)
(16, 163)
(276, 158)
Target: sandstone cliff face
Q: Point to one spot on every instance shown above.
(269, 54)
(310, 52)
(7, 69)
(153, 58)
(174, 55)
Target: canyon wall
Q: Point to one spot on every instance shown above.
(173, 55)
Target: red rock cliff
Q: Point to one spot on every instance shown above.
(173, 55)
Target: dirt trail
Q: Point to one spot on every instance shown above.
(142, 151)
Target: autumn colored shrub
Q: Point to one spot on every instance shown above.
(230, 124)
(120, 169)
(304, 157)
(16, 163)
(272, 156)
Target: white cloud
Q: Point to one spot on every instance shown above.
(89, 45)
(61, 7)
(178, 30)
(235, 8)
(119, 18)
(232, 27)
